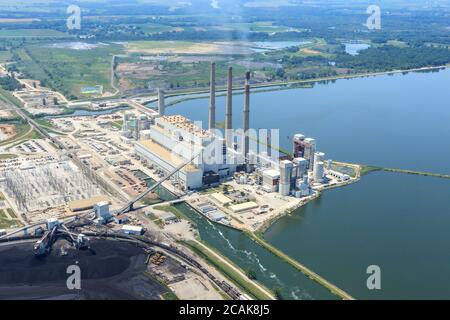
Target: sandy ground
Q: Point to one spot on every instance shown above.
(7, 131)
(172, 47)
(194, 288)
(310, 51)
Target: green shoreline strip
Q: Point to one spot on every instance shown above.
(297, 265)
(368, 169)
(230, 274)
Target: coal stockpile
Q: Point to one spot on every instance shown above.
(109, 270)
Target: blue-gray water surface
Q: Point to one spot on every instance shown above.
(398, 222)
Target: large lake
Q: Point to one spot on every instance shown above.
(398, 222)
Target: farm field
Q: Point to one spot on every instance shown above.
(67, 70)
(31, 33)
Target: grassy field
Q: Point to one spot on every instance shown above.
(68, 70)
(33, 134)
(259, 26)
(5, 222)
(368, 169)
(31, 33)
(176, 75)
(155, 28)
(9, 98)
(4, 56)
(346, 169)
(116, 124)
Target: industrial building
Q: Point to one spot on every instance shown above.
(319, 167)
(339, 176)
(169, 141)
(134, 126)
(173, 140)
(102, 211)
(304, 148)
(121, 219)
(132, 230)
(270, 180)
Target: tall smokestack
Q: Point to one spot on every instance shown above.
(161, 102)
(247, 113)
(229, 112)
(212, 102)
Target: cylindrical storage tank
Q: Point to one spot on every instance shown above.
(319, 157)
(318, 171)
(285, 189)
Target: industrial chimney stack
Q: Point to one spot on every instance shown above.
(212, 103)
(161, 103)
(229, 111)
(247, 114)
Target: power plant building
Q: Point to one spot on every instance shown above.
(286, 169)
(299, 146)
(175, 139)
(310, 150)
(319, 167)
(161, 103)
(319, 172)
(270, 180)
(301, 168)
(102, 210)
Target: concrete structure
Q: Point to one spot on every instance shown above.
(222, 199)
(206, 207)
(246, 117)
(244, 207)
(229, 110)
(161, 103)
(126, 121)
(299, 146)
(167, 216)
(146, 134)
(329, 165)
(286, 170)
(271, 180)
(338, 175)
(310, 150)
(133, 126)
(121, 219)
(102, 210)
(86, 204)
(175, 139)
(319, 167)
(303, 188)
(300, 167)
(212, 98)
(319, 157)
(132, 230)
(319, 172)
(53, 222)
(216, 215)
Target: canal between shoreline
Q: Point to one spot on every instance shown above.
(396, 221)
